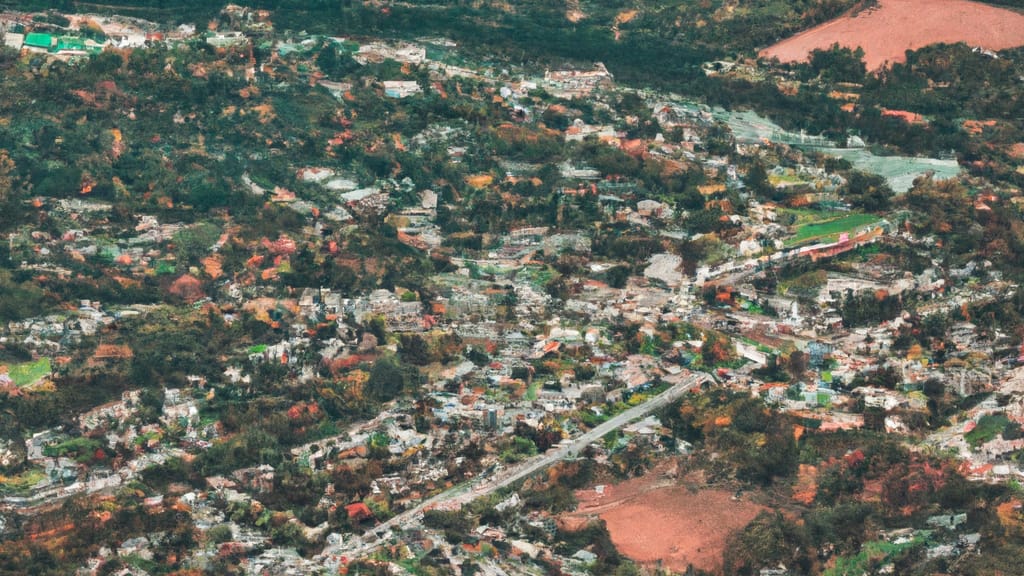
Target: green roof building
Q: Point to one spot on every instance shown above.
(39, 40)
(70, 43)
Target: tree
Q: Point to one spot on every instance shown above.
(447, 520)
(388, 379)
(15, 448)
(6, 182)
(797, 364)
(204, 194)
(869, 192)
(838, 64)
(416, 349)
(194, 242)
(219, 534)
(715, 349)
(750, 416)
(769, 540)
(771, 371)
(187, 288)
(757, 180)
(20, 300)
(842, 525)
(778, 458)
(617, 276)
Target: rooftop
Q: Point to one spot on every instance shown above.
(39, 40)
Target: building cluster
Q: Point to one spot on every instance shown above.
(530, 359)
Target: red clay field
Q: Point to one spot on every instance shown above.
(652, 521)
(888, 30)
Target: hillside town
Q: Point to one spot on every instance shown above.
(406, 323)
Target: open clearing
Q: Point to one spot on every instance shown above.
(652, 520)
(899, 171)
(29, 373)
(887, 31)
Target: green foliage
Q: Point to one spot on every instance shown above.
(253, 446)
(756, 180)
(389, 378)
(869, 308)
(867, 192)
(219, 534)
(335, 63)
(829, 230)
(769, 540)
(195, 242)
(30, 372)
(81, 448)
(843, 525)
(838, 482)
(20, 299)
(289, 534)
(519, 449)
(838, 64)
(556, 498)
(989, 426)
(807, 283)
(594, 537)
(168, 347)
(773, 372)
(873, 554)
(777, 459)
(22, 483)
(455, 524)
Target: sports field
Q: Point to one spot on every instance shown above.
(829, 230)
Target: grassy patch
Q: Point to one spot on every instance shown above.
(22, 482)
(531, 391)
(164, 267)
(592, 420)
(538, 277)
(808, 282)
(141, 563)
(989, 426)
(872, 553)
(29, 373)
(800, 216)
(829, 230)
(785, 179)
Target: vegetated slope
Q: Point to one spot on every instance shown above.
(888, 30)
(659, 43)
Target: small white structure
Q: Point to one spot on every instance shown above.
(401, 88)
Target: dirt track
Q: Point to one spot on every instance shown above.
(887, 31)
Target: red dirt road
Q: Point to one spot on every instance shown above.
(652, 521)
(888, 30)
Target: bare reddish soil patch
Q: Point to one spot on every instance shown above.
(888, 30)
(653, 520)
(806, 488)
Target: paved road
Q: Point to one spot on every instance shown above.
(470, 491)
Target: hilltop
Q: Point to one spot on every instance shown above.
(885, 32)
